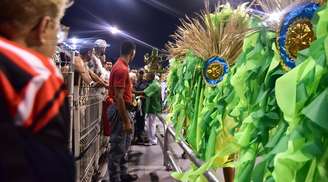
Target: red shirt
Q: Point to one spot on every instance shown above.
(119, 78)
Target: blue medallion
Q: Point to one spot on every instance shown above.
(296, 32)
(214, 70)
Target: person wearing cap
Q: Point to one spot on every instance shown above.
(34, 118)
(96, 64)
(97, 57)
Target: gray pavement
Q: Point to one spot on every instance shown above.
(147, 162)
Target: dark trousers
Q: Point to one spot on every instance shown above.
(139, 125)
(120, 143)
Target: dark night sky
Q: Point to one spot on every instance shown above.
(151, 21)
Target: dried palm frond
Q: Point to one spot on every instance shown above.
(220, 34)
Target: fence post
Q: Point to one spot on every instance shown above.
(76, 130)
(70, 86)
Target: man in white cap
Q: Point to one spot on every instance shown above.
(97, 66)
(99, 53)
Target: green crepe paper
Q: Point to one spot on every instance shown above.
(239, 99)
(181, 91)
(321, 25)
(304, 106)
(197, 126)
(200, 129)
(261, 128)
(199, 119)
(218, 101)
(192, 130)
(258, 75)
(252, 83)
(317, 110)
(204, 126)
(299, 155)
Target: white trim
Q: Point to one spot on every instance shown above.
(34, 62)
(25, 108)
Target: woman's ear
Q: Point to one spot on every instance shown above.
(42, 30)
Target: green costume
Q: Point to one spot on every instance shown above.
(153, 98)
(259, 110)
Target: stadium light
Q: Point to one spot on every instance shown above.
(114, 30)
(74, 40)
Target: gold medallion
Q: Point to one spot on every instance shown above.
(299, 36)
(214, 71)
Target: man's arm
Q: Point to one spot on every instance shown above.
(97, 79)
(138, 92)
(122, 109)
(80, 67)
(100, 67)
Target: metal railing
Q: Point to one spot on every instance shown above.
(87, 138)
(86, 142)
(169, 159)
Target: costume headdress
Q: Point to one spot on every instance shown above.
(216, 37)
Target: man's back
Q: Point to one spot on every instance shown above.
(119, 78)
(34, 117)
(120, 90)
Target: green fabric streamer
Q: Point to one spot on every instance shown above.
(181, 91)
(259, 111)
(305, 105)
(260, 118)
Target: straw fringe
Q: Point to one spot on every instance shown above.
(207, 38)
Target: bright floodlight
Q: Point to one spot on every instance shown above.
(275, 17)
(114, 30)
(74, 40)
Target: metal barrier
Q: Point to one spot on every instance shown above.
(169, 160)
(87, 136)
(86, 142)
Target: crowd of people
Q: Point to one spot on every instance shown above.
(133, 99)
(36, 130)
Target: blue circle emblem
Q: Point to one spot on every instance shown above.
(214, 70)
(303, 12)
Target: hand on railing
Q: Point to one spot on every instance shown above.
(102, 83)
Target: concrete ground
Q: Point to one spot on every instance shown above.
(147, 162)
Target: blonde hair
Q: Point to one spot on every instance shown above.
(22, 13)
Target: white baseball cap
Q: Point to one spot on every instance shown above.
(101, 43)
